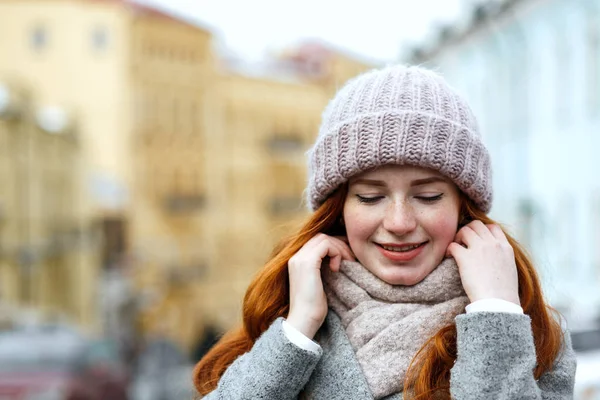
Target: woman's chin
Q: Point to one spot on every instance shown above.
(401, 276)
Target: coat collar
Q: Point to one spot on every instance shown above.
(338, 375)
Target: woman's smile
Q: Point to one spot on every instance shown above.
(400, 220)
(401, 252)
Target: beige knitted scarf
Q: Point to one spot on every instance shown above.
(388, 324)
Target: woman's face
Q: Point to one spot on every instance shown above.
(400, 220)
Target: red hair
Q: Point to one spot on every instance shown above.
(267, 299)
(429, 372)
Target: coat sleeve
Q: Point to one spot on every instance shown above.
(274, 368)
(496, 357)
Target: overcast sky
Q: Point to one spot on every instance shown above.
(374, 29)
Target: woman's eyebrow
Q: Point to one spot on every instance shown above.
(425, 181)
(371, 182)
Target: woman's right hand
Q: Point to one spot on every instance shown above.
(308, 304)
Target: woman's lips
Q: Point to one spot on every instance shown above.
(401, 256)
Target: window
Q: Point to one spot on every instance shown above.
(114, 232)
(526, 212)
(287, 185)
(565, 239)
(596, 226)
(285, 204)
(592, 54)
(39, 38)
(284, 144)
(184, 196)
(184, 203)
(99, 38)
(563, 77)
(518, 71)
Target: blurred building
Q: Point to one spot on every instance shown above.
(171, 81)
(216, 225)
(111, 62)
(192, 164)
(531, 71)
(42, 238)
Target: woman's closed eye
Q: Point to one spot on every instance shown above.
(368, 199)
(430, 199)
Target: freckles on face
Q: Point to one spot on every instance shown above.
(400, 220)
(440, 223)
(358, 224)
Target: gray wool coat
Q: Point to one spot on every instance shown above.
(496, 356)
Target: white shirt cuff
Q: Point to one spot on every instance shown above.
(494, 305)
(299, 339)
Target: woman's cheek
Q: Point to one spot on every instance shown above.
(443, 226)
(360, 224)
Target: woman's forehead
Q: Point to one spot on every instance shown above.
(392, 171)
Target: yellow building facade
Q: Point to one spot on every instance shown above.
(265, 126)
(74, 54)
(265, 118)
(42, 233)
(171, 88)
(191, 168)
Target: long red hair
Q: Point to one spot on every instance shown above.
(267, 299)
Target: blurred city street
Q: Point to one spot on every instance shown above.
(143, 144)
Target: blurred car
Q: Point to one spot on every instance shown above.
(587, 379)
(176, 384)
(51, 363)
(103, 365)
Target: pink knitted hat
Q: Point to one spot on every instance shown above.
(398, 115)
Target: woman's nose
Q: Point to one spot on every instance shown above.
(400, 218)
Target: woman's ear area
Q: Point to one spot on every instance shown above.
(464, 215)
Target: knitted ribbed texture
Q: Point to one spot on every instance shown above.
(398, 115)
(388, 324)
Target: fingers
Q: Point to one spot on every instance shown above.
(336, 251)
(335, 263)
(473, 232)
(477, 230)
(340, 248)
(455, 250)
(466, 236)
(497, 232)
(341, 242)
(486, 262)
(321, 246)
(480, 228)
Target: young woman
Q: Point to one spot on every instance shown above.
(399, 285)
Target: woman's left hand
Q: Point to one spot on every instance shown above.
(486, 262)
